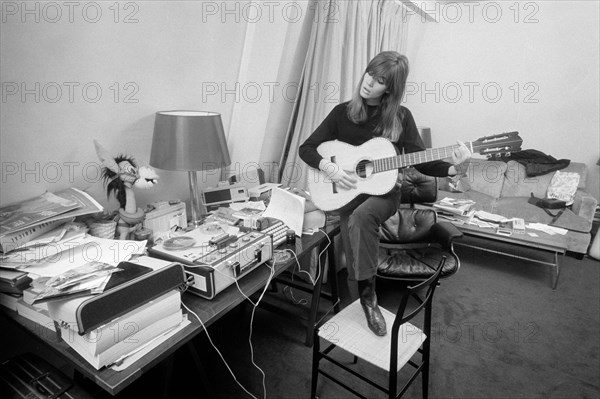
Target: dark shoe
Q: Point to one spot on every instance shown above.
(368, 300)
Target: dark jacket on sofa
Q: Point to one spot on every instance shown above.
(536, 162)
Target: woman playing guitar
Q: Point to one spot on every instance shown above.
(373, 111)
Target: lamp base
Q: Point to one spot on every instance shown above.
(196, 223)
(197, 218)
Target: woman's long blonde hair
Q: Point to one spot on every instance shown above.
(392, 68)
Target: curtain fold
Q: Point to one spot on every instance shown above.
(345, 36)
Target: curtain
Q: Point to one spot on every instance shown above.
(345, 36)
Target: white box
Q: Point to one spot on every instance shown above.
(165, 218)
(257, 191)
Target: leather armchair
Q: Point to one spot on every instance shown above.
(413, 241)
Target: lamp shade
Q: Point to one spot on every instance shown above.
(189, 141)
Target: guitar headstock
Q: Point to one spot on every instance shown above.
(498, 144)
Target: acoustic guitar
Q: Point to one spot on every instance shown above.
(375, 165)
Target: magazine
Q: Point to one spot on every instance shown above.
(87, 205)
(28, 213)
(22, 222)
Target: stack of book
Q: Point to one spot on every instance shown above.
(102, 306)
(455, 209)
(32, 230)
(22, 224)
(36, 312)
(122, 336)
(13, 281)
(12, 285)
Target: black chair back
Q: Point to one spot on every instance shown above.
(416, 187)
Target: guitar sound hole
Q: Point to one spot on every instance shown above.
(364, 169)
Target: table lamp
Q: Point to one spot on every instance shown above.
(191, 141)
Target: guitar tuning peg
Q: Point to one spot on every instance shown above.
(497, 155)
(507, 154)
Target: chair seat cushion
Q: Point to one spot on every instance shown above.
(408, 225)
(348, 330)
(415, 263)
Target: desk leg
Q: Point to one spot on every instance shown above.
(335, 297)
(316, 296)
(208, 389)
(203, 388)
(168, 375)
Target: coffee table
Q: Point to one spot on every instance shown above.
(525, 246)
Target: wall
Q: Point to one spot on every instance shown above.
(100, 70)
(490, 67)
(74, 72)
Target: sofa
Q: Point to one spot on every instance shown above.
(504, 188)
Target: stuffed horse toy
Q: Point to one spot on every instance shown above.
(121, 175)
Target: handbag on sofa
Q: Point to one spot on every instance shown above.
(547, 203)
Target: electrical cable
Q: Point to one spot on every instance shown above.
(217, 349)
(312, 280)
(255, 305)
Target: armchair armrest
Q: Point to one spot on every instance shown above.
(584, 205)
(445, 233)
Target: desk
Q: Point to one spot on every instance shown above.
(209, 311)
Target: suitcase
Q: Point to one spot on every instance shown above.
(29, 376)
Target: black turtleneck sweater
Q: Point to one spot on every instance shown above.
(337, 126)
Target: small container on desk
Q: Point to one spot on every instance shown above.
(144, 234)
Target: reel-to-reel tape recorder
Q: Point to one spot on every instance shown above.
(216, 255)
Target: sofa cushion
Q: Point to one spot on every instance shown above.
(518, 207)
(570, 221)
(486, 176)
(563, 186)
(517, 184)
(579, 168)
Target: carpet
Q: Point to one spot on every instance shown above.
(499, 331)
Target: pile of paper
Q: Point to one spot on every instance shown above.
(455, 206)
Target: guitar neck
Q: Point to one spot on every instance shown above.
(414, 158)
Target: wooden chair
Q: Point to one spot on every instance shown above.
(416, 250)
(346, 331)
